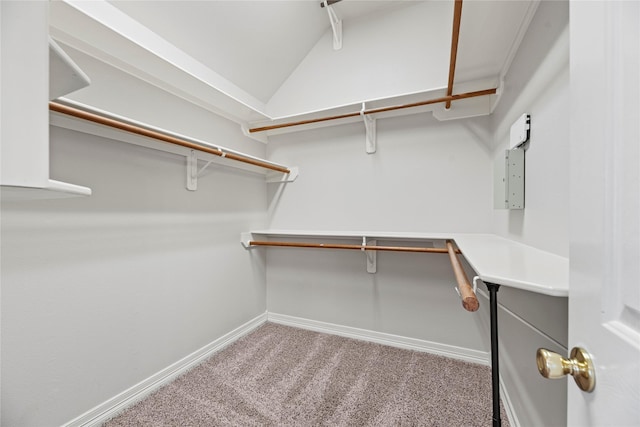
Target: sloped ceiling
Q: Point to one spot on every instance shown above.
(254, 44)
(259, 59)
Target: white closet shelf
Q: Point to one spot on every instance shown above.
(80, 117)
(27, 178)
(52, 190)
(103, 31)
(495, 259)
(477, 98)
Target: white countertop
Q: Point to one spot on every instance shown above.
(494, 258)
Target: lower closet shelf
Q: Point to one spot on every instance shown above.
(494, 258)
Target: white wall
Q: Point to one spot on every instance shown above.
(119, 93)
(100, 293)
(425, 176)
(327, 78)
(410, 295)
(537, 83)
(436, 176)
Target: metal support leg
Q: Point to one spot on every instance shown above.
(495, 369)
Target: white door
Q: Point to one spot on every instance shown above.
(604, 295)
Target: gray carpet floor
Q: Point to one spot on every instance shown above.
(283, 376)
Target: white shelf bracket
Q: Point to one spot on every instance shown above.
(245, 238)
(202, 169)
(278, 177)
(192, 171)
(370, 128)
(372, 256)
(336, 26)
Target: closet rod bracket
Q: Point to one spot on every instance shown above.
(372, 256)
(370, 129)
(336, 26)
(278, 177)
(245, 238)
(192, 171)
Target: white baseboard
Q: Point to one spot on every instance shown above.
(453, 352)
(508, 406)
(116, 404)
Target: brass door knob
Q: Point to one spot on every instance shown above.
(579, 366)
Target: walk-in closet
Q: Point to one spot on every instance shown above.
(305, 212)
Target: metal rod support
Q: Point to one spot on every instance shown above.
(495, 367)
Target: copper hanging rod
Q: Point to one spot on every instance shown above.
(355, 247)
(469, 299)
(457, 15)
(379, 110)
(117, 124)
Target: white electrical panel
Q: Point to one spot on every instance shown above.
(514, 179)
(520, 131)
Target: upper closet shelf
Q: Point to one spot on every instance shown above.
(494, 258)
(471, 99)
(83, 118)
(105, 32)
(39, 70)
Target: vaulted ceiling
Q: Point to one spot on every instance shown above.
(256, 60)
(254, 44)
